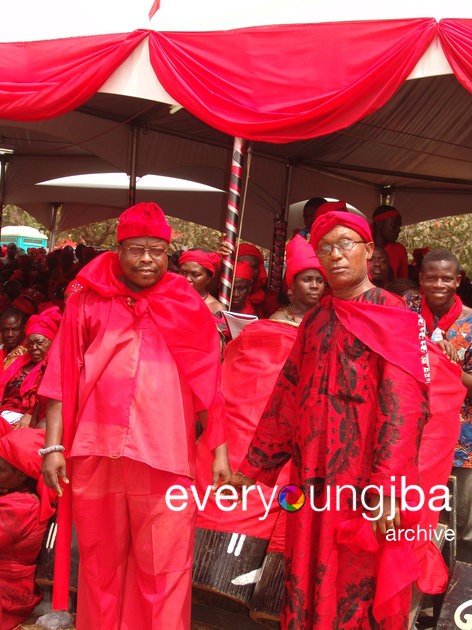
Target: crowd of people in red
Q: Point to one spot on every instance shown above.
(115, 363)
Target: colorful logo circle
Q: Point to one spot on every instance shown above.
(291, 498)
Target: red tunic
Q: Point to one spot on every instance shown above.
(21, 536)
(337, 412)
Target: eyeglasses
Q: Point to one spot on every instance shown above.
(344, 246)
(36, 343)
(137, 251)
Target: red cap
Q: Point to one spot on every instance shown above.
(300, 256)
(143, 219)
(46, 324)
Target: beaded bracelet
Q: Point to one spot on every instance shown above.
(51, 449)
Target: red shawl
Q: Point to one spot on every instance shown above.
(446, 321)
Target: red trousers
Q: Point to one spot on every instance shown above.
(135, 553)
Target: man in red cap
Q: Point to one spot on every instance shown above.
(136, 362)
(348, 408)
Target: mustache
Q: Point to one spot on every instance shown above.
(145, 267)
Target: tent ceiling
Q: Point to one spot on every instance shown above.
(420, 143)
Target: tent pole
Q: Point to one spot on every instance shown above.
(132, 167)
(232, 220)
(55, 206)
(4, 159)
(280, 236)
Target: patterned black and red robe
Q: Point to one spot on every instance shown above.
(345, 415)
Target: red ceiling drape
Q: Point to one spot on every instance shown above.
(273, 83)
(456, 41)
(40, 80)
(282, 83)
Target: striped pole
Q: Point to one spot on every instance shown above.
(232, 220)
(280, 236)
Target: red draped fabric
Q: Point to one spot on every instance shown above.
(332, 74)
(40, 80)
(456, 41)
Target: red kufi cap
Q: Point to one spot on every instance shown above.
(143, 219)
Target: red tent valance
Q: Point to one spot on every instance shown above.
(272, 83)
(41, 80)
(282, 83)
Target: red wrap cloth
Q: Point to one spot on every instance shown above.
(252, 363)
(300, 256)
(46, 323)
(446, 321)
(23, 522)
(346, 416)
(243, 270)
(208, 260)
(398, 258)
(327, 222)
(187, 327)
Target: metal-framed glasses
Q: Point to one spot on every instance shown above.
(344, 246)
(137, 251)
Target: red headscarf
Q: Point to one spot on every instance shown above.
(386, 214)
(300, 256)
(326, 222)
(257, 294)
(46, 324)
(20, 449)
(143, 219)
(243, 270)
(208, 260)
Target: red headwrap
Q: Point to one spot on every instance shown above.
(330, 220)
(208, 260)
(300, 256)
(46, 324)
(20, 449)
(386, 214)
(143, 219)
(330, 206)
(257, 292)
(243, 270)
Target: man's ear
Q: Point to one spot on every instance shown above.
(369, 250)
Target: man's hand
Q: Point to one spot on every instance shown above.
(449, 350)
(221, 470)
(384, 520)
(54, 469)
(238, 481)
(225, 248)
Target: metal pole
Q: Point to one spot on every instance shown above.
(232, 219)
(280, 237)
(4, 158)
(53, 225)
(132, 166)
